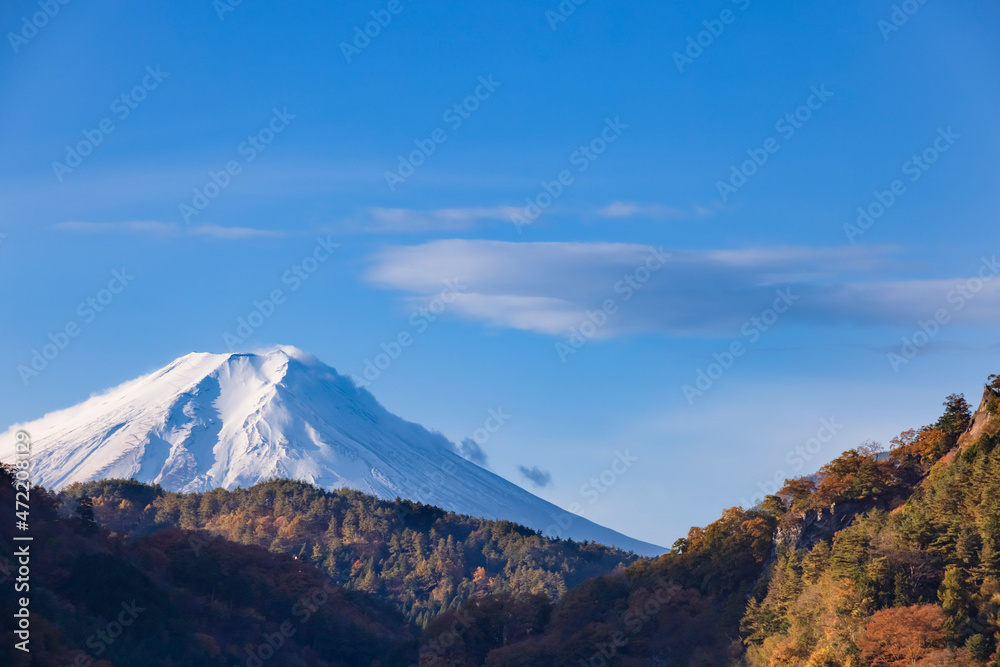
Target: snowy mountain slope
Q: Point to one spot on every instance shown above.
(210, 420)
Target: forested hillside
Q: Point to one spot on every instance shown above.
(98, 600)
(891, 559)
(423, 559)
(886, 557)
(917, 584)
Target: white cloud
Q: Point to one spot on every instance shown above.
(619, 209)
(166, 228)
(626, 210)
(548, 287)
(529, 313)
(104, 227)
(383, 220)
(219, 232)
(518, 265)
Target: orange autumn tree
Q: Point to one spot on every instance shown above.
(926, 446)
(797, 492)
(902, 636)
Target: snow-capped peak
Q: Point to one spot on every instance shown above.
(210, 420)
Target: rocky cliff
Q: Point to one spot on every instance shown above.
(804, 529)
(984, 422)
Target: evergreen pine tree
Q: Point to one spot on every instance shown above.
(85, 510)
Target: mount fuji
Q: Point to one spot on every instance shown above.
(232, 420)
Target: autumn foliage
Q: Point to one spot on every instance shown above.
(912, 574)
(902, 636)
(901, 568)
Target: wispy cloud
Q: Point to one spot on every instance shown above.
(139, 226)
(539, 478)
(167, 228)
(220, 232)
(470, 450)
(621, 209)
(381, 220)
(549, 287)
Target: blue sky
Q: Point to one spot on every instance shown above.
(597, 109)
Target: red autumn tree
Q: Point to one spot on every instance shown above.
(902, 636)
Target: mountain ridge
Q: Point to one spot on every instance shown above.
(231, 420)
